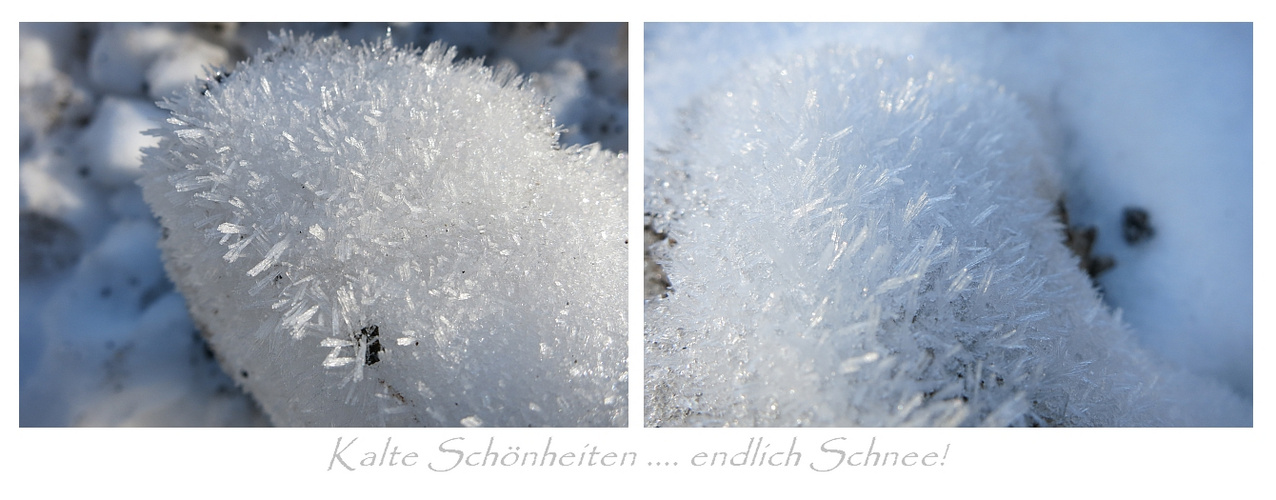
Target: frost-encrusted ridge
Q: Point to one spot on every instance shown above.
(859, 238)
(322, 189)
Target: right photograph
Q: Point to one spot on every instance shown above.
(1026, 225)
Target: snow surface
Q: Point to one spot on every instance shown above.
(1155, 116)
(104, 337)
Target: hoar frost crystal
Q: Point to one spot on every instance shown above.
(376, 236)
(856, 238)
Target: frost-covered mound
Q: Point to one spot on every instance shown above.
(376, 236)
(857, 238)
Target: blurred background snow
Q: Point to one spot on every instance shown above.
(1153, 116)
(104, 337)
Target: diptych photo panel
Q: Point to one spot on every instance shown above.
(324, 224)
(948, 225)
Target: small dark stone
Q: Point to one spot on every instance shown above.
(218, 76)
(370, 336)
(1080, 239)
(1136, 225)
(1098, 265)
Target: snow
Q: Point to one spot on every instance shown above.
(190, 55)
(106, 338)
(1186, 155)
(117, 311)
(123, 53)
(113, 141)
(1155, 116)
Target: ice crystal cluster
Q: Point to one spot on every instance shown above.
(859, 238)
(369, 235)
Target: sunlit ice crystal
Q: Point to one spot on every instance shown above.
(370, 235)
(860, 238)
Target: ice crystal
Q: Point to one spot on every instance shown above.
(377, 236)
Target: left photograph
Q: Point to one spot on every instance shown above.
(337, 224)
